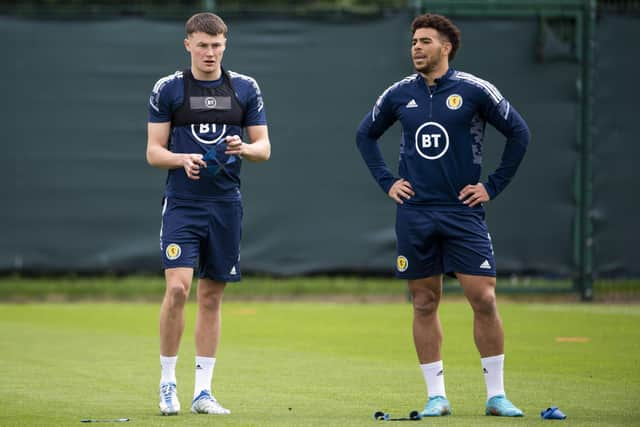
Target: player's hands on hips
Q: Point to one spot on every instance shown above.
(235, 146)
(401, 190)
(473, 195)
(192, 164)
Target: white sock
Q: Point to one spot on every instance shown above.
(493, 368)
(204, 374)
(168, 367)
(434, 377)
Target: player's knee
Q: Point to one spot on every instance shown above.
(485, 304)
(210, 300)
(177, 293)
(425, 303)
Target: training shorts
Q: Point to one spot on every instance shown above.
(431, 242)
(203, 235)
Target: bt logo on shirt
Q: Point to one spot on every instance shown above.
(208, 133)
(432, 140)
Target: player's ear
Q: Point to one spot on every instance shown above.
(446, 48)
(187, 45)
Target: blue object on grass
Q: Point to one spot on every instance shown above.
(552, 413)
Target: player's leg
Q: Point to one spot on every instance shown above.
(489, 338)
(427, 337)
(219, 264)
(179, 238)
(420, 263)
(208, 320)
(178, 282)
(207, 337)
(427, 331)
(469, 253)
(487, 325)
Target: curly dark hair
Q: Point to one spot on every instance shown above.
(206, 22)
(443, 26)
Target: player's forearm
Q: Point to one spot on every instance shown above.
(162, 158)
(257, 151)
(512, 156)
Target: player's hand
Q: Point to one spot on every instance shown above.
(192, 164)
(473, 195)
(401, 189)
(235, 146)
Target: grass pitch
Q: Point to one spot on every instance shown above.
(303, 364)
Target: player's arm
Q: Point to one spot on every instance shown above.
(161, 102)
(160, 156)
(258, 146)
(507, 121)
(257, 149)
(369, 132)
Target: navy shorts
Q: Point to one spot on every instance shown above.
(203, 235)
(432, 242)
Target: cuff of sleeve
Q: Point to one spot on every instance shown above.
(386, 183)
(491, 190)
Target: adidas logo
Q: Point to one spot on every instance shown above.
(485, 265)
(412, 104)
(233, 271)
(198, 366)
(484, 371)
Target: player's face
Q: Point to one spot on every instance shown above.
(429, 51)
(206, 53)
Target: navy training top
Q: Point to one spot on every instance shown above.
(442, 136)
(200, 121)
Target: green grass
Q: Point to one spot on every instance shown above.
(151, 288)
(314, 363)
(21, 289)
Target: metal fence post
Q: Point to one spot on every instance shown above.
(584, 279)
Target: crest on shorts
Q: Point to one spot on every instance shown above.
(402, 263)
(173, 251)
(454, 102)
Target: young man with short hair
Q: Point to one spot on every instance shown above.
(197, 119)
